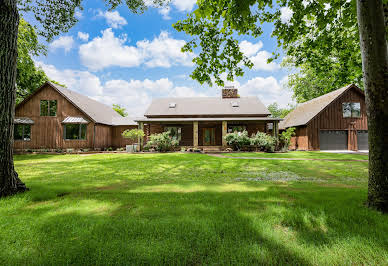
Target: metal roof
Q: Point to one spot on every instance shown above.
(207, 106)
(75, 120)
(304, 112)
(23, 120)
(192, 119)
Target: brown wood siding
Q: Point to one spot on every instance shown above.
(118, 141)
(331, 118)
(103, 137)
(47, 132)
(253, 128)
(300, 140)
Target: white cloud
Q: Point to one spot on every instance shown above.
(113, 18)
(268, 90)
(260, 62)
(81, 81)
(250, 49)
(108, 50)
(78, 14)
(83, 36)
(65, 42)
(164, 51)
(184, 5)
(165, 11)
(286, 14)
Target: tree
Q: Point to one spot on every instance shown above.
(119, 109)
(54, 17)
(309, 34)
(276, 111)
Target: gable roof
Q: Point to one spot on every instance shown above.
(208, 106)
(98, 112)
(306, 111)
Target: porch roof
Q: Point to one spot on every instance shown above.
(207, 119)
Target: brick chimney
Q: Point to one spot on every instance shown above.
(230, 92)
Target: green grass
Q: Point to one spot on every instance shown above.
(302, 155)
(190, 209)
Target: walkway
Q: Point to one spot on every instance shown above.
(284, 159)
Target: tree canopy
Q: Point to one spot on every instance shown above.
(120, 110)
(277, 111)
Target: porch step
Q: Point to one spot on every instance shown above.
(211, 149)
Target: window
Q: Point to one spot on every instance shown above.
(351, 110)
(175, 132)
(75, 131)
(236, 128)
(48, 108)
(22, 132)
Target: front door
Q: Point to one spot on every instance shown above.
(209, 137)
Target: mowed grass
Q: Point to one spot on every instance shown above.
(302, 155)
(190, 209)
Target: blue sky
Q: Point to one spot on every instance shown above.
(128, 59)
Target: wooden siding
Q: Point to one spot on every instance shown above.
(47, 132)
(300, 140)
(103, 136)
(118, 141)
(331, 118)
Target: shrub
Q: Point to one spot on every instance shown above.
(237, 140)
(285, 138)
(133, 134)
(161, 142)
(264, 142)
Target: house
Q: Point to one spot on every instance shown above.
(334, 121)
(203, 122)
(54, 117)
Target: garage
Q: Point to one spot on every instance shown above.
(333, 139)
(362, 140)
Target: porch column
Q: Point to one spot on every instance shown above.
(275, 129)
(224, 132)
(195, 133)
(141, 140)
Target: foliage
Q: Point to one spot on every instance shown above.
(276, 111)
(285, 138)
(322, 36)
(29, 77)
(133, 134)
(237, 140)
(264, 142)
(161, 142)
(119, 109)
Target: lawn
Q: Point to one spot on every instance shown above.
(190, 209)
(302, 155)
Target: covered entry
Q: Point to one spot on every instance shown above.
(333, 139)
(362, 140)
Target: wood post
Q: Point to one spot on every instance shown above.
(195, 133)
(141, 139)
(224, 132)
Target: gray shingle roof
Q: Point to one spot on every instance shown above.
(99, 112)
(304, 112)
(207, 106)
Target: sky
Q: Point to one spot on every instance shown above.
(117, 57)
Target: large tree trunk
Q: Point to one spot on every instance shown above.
(9, 20)
(375, 69)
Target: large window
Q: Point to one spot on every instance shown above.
(75, 131)
(236, 128)
(22, 132)
(48, 108)
(175, 132)
(351, 110)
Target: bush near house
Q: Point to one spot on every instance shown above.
(285, 138)
(237, 140)
(161, 142)
(264, 142)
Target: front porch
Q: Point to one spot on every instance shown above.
(203, 133)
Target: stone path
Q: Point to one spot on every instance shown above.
(285, 159)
